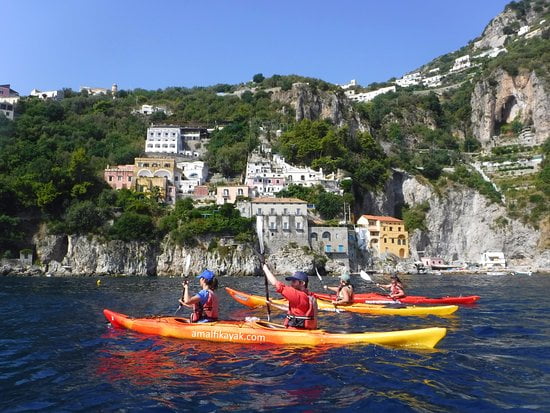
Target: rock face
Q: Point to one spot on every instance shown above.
(89, 255)
(502, 97)
(311, 103)
(461, 224)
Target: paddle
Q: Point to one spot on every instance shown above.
(260, 234)
(186, 272)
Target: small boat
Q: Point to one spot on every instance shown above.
(261, 332)
(254, 301)
(528, 273)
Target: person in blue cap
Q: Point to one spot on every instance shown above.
(205, 302)
(302, 305)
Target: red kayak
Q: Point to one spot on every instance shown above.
(373, 298)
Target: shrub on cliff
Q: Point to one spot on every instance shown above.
(131, 226)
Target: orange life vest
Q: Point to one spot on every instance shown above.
(304, 319)
(207, 311)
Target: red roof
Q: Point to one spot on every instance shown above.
(382, 218)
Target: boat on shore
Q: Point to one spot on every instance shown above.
(261, 332)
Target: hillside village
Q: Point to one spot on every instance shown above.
(176, 162)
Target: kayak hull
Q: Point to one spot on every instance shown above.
(245, 332)
(411, 299)
(257, 301)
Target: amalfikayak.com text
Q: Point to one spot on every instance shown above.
(220, 335)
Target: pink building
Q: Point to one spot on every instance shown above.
(120, 176)
(200, 191)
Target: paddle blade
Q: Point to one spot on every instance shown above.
(318, 275)
(365, 276)
(187, 264)
(260, 232)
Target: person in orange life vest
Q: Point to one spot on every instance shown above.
(205, 302)
(396, 287)
(344, 291)
(302, 305)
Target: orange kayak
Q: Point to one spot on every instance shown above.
(254, 301)
(259, 332)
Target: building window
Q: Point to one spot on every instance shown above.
(259, 211)
(298, 225)
(385, 240)
(272, 225)
(240, 191)
(110, 179)
(298, 211)
(391, 229)
(129, 179)
(313, 236)
(285, 211)
(119, 178)
(285, 225)
(393, 241)
(272, 211)
(340, 248)
(326, 235)
(226, 192)
(303, 178)
(328, 248)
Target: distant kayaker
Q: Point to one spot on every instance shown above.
(396, 287)
(302, 305)
(344, 291)
(205, 302)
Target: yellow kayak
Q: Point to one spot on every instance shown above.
(258, 332)
(373, 309)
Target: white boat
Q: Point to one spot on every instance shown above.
(529, 273)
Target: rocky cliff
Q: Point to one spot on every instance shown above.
(501, 97)
(461, 224)
(90, 255)
(312, 103)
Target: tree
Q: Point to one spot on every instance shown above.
(131, 226)
(83, 217)
(258, 78)
(329, 205)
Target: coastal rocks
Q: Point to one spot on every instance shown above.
(313, 104)
(239, 259)
(462, 224)
(289, 259)
(501, 98)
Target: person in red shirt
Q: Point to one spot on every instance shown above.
(396, 287)
(302, 305)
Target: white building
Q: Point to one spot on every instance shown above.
(367, 96)
(522, 30)
(150, 109)
(493, 260)
(352, 83)
(164, 139)
(7, 109)
(432, 81)
(48, 94)
(194, 173)
(94, 91)
(8, 100)
(411, 79)
(461, 63)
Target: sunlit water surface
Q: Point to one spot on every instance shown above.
(57, 353)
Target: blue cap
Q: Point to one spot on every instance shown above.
(206, 274)
(298, 275)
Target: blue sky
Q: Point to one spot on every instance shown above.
(134, 43)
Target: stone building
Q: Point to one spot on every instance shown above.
(384, 235)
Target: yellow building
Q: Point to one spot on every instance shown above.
(386, 234)
(160, 173)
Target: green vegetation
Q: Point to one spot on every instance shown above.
(415, 217)
(474, 180)
(321, 145)
(185, 223)
(327, 204)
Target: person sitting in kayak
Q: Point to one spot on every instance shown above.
(205, 302)
(302, 305)
(344, 291)
(396, 287)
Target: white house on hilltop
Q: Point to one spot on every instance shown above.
(461, 63)
(367, 96)
(48, 94)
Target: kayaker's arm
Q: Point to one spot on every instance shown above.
(269, 275)
(188, 301)
(335, 289)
